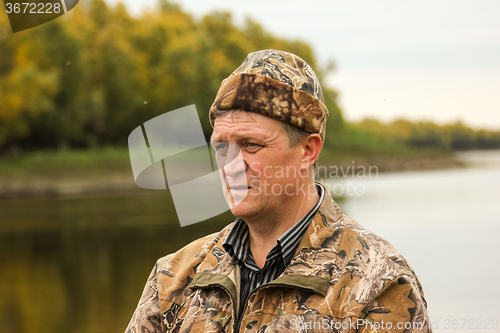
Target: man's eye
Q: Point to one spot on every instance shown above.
(252, 145)
(221, 147)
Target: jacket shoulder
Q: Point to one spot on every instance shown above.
(374, 262)
(376, 247)
(174, 272)
(195, 250)
(387, 283)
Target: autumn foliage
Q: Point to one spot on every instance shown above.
(88, 78)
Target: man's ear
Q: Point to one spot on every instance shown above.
(311, 146)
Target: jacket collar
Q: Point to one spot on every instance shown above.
(305, 271)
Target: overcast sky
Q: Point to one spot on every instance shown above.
(428, 59)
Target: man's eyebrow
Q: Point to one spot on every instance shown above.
(217, 136)
(235, 136)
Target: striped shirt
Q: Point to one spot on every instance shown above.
(238, 247)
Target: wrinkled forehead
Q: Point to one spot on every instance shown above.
(242, 124)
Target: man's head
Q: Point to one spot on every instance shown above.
(268, 113)
(276, 84)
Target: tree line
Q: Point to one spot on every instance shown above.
(428, 135)
(88, 78)
(92, 76)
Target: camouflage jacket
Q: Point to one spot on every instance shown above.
(342, 278)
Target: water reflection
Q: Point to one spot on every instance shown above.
(446, 223)
(79, 265)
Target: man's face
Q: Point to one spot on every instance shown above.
(263, 177)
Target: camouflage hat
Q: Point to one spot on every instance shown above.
(276, 84)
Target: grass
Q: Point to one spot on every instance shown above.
(65, 163)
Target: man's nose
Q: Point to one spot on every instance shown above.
(234, 161)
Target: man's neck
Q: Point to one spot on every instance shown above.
(265, 231)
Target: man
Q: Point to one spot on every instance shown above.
(291, 261)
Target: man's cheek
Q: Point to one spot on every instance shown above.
(255, 167)
(256, 184)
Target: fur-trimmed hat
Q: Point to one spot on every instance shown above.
(276, 84)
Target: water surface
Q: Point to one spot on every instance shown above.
(447, 225)
(79, 264)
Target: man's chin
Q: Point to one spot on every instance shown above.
(243, 210)
(237, 197)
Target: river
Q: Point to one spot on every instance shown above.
(79, 264)
(446, 223)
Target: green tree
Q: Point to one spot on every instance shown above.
(90, 77)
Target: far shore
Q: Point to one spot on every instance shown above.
(112, 178)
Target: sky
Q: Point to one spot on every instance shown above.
(435, 60)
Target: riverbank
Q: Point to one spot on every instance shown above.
(108, 170)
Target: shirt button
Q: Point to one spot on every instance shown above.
(259, 278)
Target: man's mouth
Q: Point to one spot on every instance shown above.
(240, 188)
